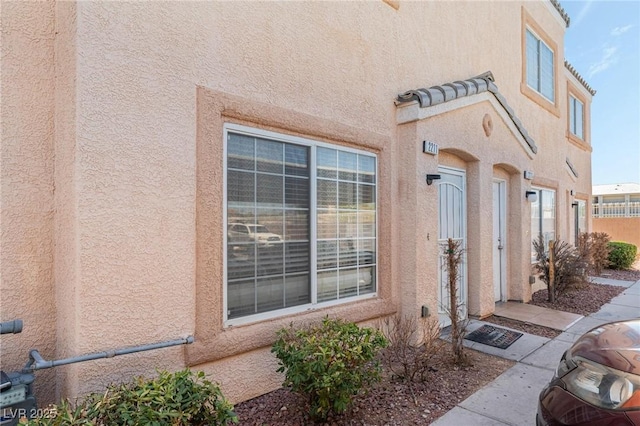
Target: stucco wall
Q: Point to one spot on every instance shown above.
(65, 225)
(136, 114)
(625, 229)
(27, 184)
(479, 157)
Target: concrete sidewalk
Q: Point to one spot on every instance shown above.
(512, 398)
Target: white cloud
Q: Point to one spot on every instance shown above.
(620, 30)
(609, 58)
(583, 12)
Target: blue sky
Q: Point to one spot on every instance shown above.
(603, 44)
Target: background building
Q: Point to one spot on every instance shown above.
(616, 211)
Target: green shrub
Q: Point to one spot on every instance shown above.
(177, 399)
(329, 363)
(622, 255)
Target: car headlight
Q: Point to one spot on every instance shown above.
(603, 386)
(564, 366)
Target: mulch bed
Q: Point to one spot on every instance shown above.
(534, 329)
(622, 274)
(583, 301)
(392, 402)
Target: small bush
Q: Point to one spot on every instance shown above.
(412, 344)
(594, 248)
(177, 399)
(329, 363)
(568, 267)
(622, 254)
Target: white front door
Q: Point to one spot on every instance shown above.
(451, 224)
(499, 241)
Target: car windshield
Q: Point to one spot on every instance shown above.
(259, 229)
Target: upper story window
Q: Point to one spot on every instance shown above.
(576, 117)
(540, 66)
(301, 224)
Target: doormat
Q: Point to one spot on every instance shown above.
(494, 336)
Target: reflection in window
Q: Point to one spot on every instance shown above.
(268, 265)
(270, 205)
(346, 224)
(540, 73)
(543, 218)
(576, 111)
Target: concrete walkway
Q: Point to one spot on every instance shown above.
(512, 398)
(533, 314)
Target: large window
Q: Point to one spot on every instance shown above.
(540, 66)
(576, 114)
(543, 218)
(301, 223)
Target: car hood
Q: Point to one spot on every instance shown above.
(264, 235)
(615, 345)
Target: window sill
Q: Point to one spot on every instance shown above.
(393, 3)
(539, 99)
(235, 340)
(578, 142)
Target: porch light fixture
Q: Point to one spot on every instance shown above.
(431, 178)
(531, 196)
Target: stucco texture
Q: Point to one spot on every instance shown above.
(112, 163)
(626, 229)
(27, 184)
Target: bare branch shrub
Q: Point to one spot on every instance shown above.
(599, 250)
(568, 265)
(594, 249)
(585, 250)
(412, 344)
(454, 256)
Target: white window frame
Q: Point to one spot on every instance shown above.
(580, 224)
(573, 125)
(538, 89)
(313, 269)
(540, 217)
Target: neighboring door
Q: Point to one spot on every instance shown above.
(451, 224)
(499, 241)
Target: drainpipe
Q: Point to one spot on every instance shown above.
(36, 362)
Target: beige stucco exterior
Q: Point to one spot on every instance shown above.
(626, 229)
(112, 164)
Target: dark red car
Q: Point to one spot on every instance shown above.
(597, 381)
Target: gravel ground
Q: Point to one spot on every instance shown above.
(392, 402)
(537, 330)
(623, 274)
(583, 301)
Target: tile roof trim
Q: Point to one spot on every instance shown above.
(484, 82)
(561, 11)
(578, 77)
(573, 169)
